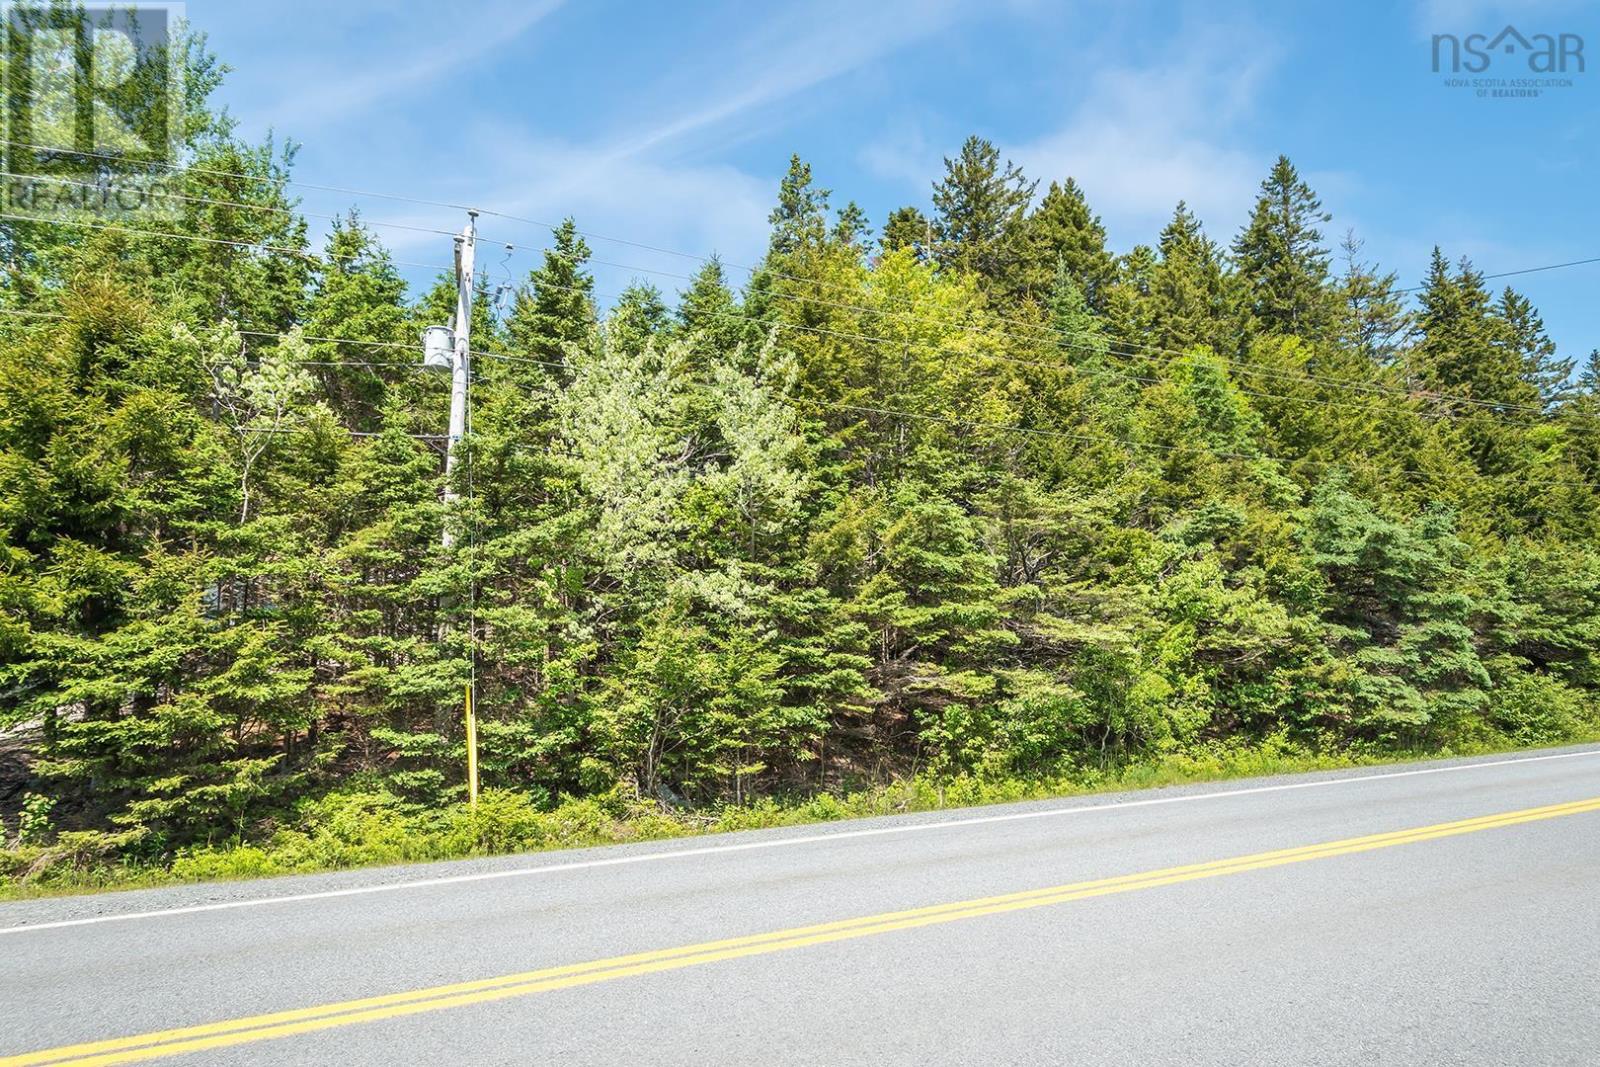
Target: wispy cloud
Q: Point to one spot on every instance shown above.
(1145, 137)
(650, 181)
(794, 51)
(333, 92)
(1138, 138)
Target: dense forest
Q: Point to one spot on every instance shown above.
(960, 495)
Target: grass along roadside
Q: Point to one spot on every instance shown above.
(352, 829)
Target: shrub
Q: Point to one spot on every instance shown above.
(1537, 709)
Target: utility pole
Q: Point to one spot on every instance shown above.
(461, 366)
(434, 340)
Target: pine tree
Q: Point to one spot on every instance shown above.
(800, 220)
(979, 210)
(1281, 258)
(554, 309)
(1062, 231)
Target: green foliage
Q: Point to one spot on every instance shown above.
(1281, 259)
(991, 514)
(979, 212)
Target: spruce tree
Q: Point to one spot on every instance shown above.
(554, 308)
(1465, 347)
(979, 210)
(1063, 231)
(1523, 334)
(1373, 321)
(907, 227)
(1188, 290)
(800, 219)
(357, 294)
(851, 227)
(1281, 258)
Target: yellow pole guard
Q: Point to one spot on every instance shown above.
(472, 750)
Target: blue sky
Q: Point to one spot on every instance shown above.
(670, 124)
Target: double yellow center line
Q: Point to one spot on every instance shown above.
(396, 1005)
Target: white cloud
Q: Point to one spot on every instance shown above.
(649, 183)
(1137, 139)
(656, 181)
(903, 155)
(414, 60)
(1141, 139)
(795, 51)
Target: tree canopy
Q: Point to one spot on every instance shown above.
(980, 498)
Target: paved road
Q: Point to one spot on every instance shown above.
(1427, 914)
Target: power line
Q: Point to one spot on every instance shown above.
(1101, 439)
(1089, 372)
(823, 331)
(1034, 337)
(660, 250)
(1514, 273)
(262, 246)
(1064, 345)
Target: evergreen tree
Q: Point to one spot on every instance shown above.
(1281, 258)
(708, 312)
(1188, 291)
(800, 219)
(1463, 349)
(357, 294)
(1373, 319)
(851, 227)
(997, 504)
(1062, 231)
(554, 309)
(979, 210)
(907, 227)
(1524, 335)
(1072, 321)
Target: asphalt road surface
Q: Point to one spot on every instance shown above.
(1423, 914)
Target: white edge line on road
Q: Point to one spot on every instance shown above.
(783, 842)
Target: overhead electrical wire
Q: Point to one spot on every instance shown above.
(984, 329)
(1078, 370)
(695, 257)
(979, 329)
(1035, 328)
(971, 424)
